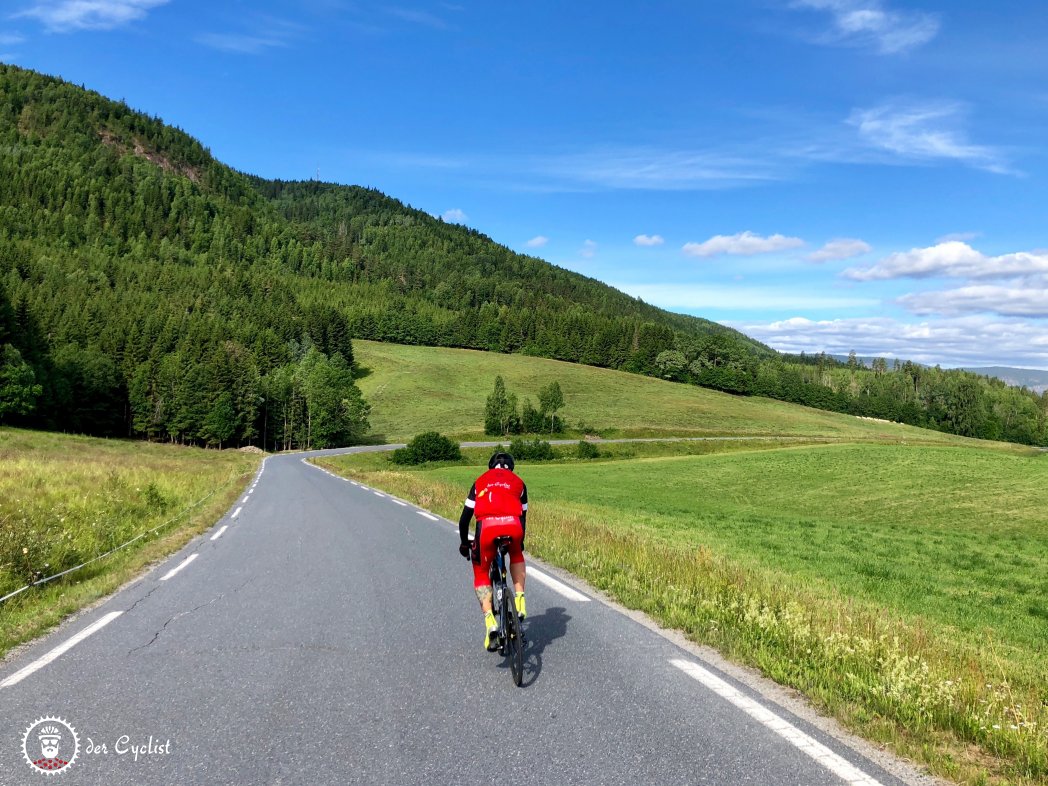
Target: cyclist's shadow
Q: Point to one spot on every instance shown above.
(541, 630)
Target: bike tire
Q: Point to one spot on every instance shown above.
(515, 637)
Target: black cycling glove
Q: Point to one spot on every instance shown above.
(464, 550)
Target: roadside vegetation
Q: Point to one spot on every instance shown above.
(901, 588)
(66, 499)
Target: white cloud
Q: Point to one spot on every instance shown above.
(840, 248)
(588, 250)
(952, 259)
(648, 240)
(694, 297)
(964, 237)
(980, 299)
(11, 39)
(966, 341)
(537, 242)
(66, 15)
(870, 23)
(455, 216)
(925, 132)
(744, 244)
(239, 43)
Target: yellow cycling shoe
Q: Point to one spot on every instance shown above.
(491, 635)
(522, 607)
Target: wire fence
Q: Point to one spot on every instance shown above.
(137, 537)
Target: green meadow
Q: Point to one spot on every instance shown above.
(902, 588)
(65, 499)
(415, 389)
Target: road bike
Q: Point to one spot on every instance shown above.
(503, 601)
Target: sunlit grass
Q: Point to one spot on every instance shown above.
(66, 499)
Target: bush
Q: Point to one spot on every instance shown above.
(430, 446)
(531, 450)
(586, 450)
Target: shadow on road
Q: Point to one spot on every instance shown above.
(542, 630)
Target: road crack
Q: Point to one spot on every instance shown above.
(163, 627)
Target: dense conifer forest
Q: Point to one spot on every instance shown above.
(148, 290)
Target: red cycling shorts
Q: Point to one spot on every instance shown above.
(491, 528)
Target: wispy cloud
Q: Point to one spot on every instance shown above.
(11, 39)
(648, 240)
(742, 244)
(537, 242)
(699, 297)
(870, 23)
(952, 259)
(588, 250)
(964, 341)
(964, 237)
(419, 17)
(455, 216)
(981, 299)
(929, 131)
(61, 16)
(257, 36)
(840, 248)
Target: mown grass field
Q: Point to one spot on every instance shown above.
(65, 499)
(903, 588)
(415, 389)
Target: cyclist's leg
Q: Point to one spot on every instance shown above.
(481, 559)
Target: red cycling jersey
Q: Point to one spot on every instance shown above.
(498, 492)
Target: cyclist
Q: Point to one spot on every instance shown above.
(499, 499)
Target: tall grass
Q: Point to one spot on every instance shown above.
(970, 700)
(65, 499)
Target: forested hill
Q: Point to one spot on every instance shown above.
(147, 289)
(154, 291)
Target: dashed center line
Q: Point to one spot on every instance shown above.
(65, 646)
(174, 571)
(218, 534)
(827, 758)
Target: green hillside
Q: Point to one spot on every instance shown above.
(414, 389)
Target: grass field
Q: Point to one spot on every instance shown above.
(903, 588)
(415, 389)
(65, 499)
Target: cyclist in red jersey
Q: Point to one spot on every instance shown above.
(499, 500)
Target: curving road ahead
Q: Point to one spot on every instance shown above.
(323, 632)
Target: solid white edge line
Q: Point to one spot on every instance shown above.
(559, 587)
(218, 534)
(427, 515)
(171, 573)
(65, 646)
(816, 750)
(237, 512)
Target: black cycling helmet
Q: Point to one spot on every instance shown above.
(500, 459)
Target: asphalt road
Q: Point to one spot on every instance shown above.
(323, 633)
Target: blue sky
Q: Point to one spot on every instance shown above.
(821, 174)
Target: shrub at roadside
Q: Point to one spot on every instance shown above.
(586, 450)
(531, 450)
(429, 446)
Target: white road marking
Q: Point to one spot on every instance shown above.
(378, 493)
(250, 492)
(557, 586)
(427, 515)
(171, 573)
(827, 758)
(237, 511)
(398, 502)
(218, 534)
(40, 662)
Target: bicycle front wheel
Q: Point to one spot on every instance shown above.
(515, 636)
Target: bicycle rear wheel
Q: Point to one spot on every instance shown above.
(515, 636)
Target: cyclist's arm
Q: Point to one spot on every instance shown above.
(467, 513)
(523, 513)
